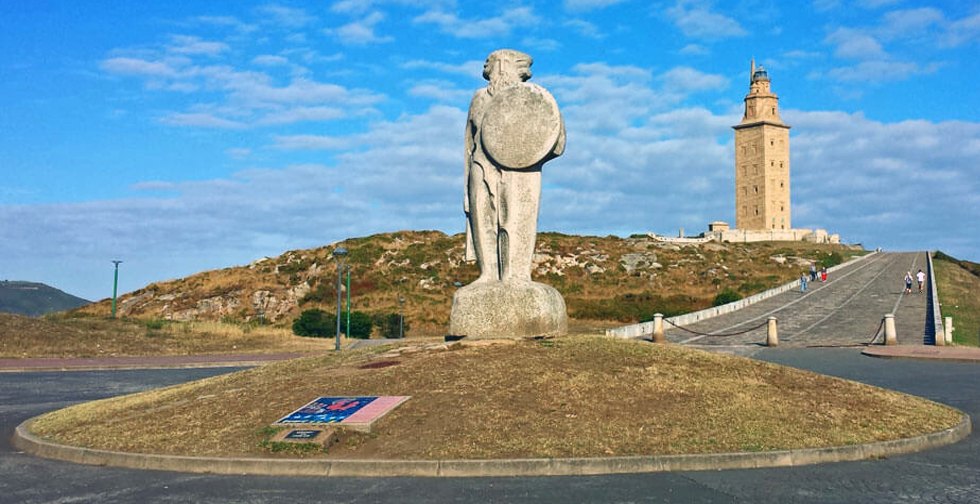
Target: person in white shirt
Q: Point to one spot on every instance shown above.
(921, 277)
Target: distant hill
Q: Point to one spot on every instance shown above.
(35, 299)
(602, 278)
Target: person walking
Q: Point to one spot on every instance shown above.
(802, 282)
(813, 272)
(908, 282)
(921, 277)
(823, 274)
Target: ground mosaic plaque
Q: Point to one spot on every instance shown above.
(358, 413)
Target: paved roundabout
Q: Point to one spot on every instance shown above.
(946, 474)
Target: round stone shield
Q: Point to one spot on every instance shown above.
(521, 126)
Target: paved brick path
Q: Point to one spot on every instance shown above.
(846, 310)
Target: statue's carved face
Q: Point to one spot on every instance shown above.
(508, 66)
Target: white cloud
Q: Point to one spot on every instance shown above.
(963, 31)
(287, 17)
(184, 44)
(874, 4)
(297, 114)
(585, 28)
(880, 71)
(270, 60)
(360, 6)
(472, 68)
(442, 91)
(502, 25)
(229, 21)
(200, 120)
(854, 44)
(584, 5)
(695, 19)
(311, 142)
(362, 31)
(904, 24)
(135, 66)
(694, 50)
(238, 153)
(689, 80)
(541, 44)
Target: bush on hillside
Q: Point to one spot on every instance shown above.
(388, 324)
(360, 325)
(726, 296)
(315, 323)
(831, 259)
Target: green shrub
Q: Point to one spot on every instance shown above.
(360, 325)
(726, 296)
(315, 323)
(387, 324)
(831, 259)
(323, 293)
(153, 324)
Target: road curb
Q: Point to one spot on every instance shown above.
(30, 443)
(925, 353)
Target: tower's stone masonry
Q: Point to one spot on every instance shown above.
(762, 197)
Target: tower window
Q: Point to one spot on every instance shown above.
(780, 184)
(774, 111)
(772, 163)
(771, 142)
(757, 210)
(757, 191)
(780, 164)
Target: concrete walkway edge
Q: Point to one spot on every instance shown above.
(27, 442)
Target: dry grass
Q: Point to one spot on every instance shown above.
(959, 293)
(574, 396)
(59, 336)
(422, 267)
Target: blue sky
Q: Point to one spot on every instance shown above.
(184, 136)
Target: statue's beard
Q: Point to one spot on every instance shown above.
(501, 82)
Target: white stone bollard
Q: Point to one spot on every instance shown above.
(949, 330)
(890, 338)
(658, 328)
(772, 337)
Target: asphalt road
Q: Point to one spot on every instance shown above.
(949, 474)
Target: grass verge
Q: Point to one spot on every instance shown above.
(959, 293)
(566, 397)
(89, 336)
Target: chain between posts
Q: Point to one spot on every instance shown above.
(870, 342)
(717, 335)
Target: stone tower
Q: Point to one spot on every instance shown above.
(761, 160)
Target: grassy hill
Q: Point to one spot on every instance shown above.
(602, 278)
(959, 294)
(35, 299)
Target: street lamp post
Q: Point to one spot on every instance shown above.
(347, 331)
(339, 253)
(115, 284)
(401, 318)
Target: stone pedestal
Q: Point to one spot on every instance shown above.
(508, 309)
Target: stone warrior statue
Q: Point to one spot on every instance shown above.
(513, 128)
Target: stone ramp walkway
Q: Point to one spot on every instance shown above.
(845, 310)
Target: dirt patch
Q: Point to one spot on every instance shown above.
(564, 397)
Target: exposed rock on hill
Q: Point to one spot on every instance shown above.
(607, 278)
